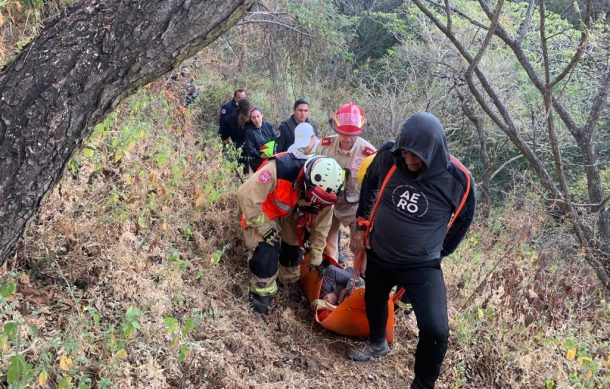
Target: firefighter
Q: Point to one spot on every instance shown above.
(285, 200)
(349, 150)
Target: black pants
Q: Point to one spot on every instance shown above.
(425, 286)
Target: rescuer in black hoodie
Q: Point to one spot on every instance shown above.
(409, 237)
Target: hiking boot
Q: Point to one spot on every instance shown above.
(294, 292)
(260, 304)
(370, 350)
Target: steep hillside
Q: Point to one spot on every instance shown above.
(134, 275)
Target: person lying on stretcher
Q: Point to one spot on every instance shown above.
(337, 285)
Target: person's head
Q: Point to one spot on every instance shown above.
(323, 179)
(185, 71)
(348, 122)
(413, 162)
(244, 105)
(256, 117)
(239, 94)
(305, 140)
(331, 298)
(243, 109)
(300, 110)
(421, 144)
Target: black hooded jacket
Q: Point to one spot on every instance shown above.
(411, 221)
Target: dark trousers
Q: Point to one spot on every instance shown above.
(425, 286)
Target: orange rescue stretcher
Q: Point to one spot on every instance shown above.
(349, 318)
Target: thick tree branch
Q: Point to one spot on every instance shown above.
(68, 78)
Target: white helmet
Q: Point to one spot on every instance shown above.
(324, 180)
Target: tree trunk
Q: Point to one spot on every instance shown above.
(68, 78)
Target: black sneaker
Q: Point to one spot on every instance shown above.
(370, 350)
(260, 304)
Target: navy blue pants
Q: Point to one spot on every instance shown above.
(425, 286)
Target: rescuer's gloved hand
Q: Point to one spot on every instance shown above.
(315, 257)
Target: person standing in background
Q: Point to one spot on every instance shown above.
(285, 131)
(229, 107)
(235, 131)
(260, 139)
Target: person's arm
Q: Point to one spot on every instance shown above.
(251, 145)
(373, 179)
(461, 224)
(318, 229)
(253, 148)
(375, 174)
(272, 133)
(251, 195)
(255, 162)
(223, 123)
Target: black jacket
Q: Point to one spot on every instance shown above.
(255, 138)
(226, 111)
(411, 221)
(285, 133)
(233, 132)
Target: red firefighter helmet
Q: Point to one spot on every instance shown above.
(349, 119)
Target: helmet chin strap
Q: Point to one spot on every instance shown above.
(318, 196)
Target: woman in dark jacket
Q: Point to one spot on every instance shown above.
(236, 131)
(260, 139)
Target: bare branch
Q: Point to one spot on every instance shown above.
(596, 207)
(279, 24)
(525, 25)
(505, 164)
(490, 34)
(598, 103)
(505, 122)
(448, 14)
(460, 13)
(565, 116)
(584, 40)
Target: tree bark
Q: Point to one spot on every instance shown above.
(68, 78)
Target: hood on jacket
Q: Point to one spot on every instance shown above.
(424, 135)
